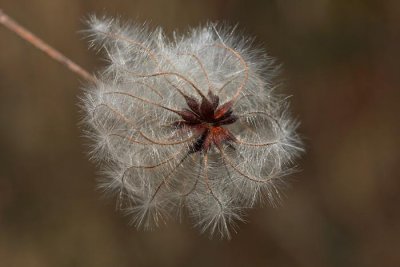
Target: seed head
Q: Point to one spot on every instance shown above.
(187, 125)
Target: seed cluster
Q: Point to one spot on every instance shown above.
(206, 120)
(187, 126)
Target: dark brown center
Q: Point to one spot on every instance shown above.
(206, 119)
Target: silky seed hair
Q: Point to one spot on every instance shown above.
(188, 126)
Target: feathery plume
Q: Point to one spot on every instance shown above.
(187, 125)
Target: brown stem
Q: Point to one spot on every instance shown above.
(13, 26)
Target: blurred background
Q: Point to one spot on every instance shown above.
(341, 66)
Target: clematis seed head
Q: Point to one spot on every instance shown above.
(187, 125)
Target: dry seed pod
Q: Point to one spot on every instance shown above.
(190, 124)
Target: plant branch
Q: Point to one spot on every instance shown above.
(13, 26)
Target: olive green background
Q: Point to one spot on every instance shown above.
(341, 66)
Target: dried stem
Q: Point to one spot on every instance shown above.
(13, 26)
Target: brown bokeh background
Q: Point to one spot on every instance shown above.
(341, 64)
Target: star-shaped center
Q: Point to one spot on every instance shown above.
(206, 119)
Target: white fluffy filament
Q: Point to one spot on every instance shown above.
(132, 107)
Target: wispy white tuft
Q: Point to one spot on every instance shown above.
(152, 162)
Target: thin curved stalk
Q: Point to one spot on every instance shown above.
(144, 100)
(165, 143)
(249, 177)
(197, 59)
(130, 139)
(119, 114)
(275, 120)
(151, 54)
(207, 181)
(166, 73)
(152, 88)
(244, 64)
(166, 177)
(255, 144)
(195, 183)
